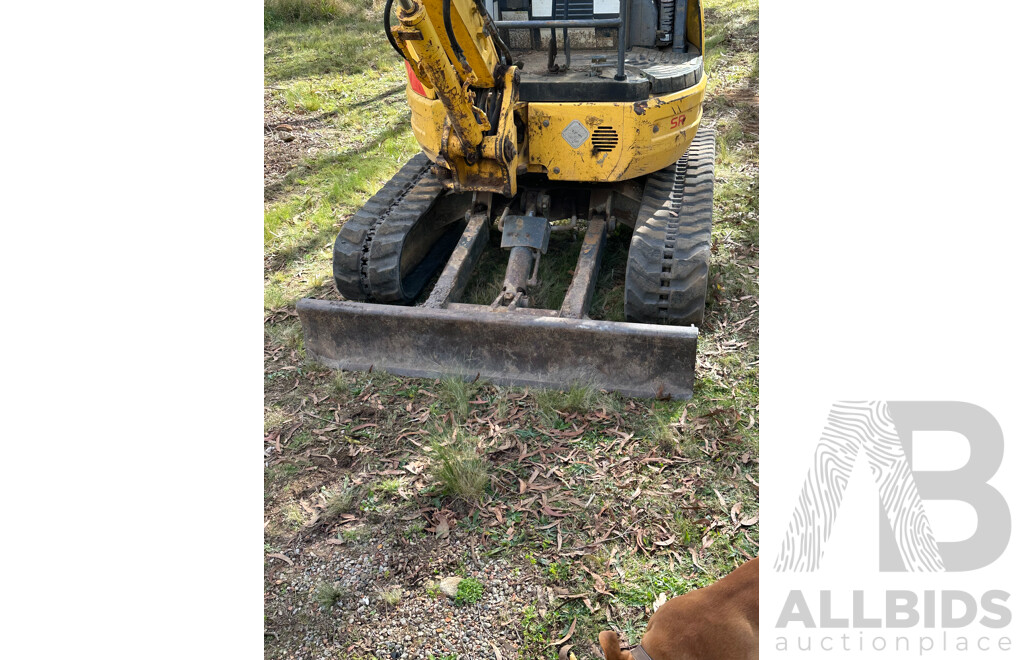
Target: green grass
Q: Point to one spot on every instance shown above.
(299, 229)
(387, 486)
(343, 76)
(300, 441)
(298, 43)
(580, 397)
(663, 433)
(277, 12)
(470, 590)
(355, 534)
(534, 628)
(274, 418)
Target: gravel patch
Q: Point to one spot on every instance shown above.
(422, 622)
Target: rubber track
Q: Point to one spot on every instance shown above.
(368, 249)
(667, 268)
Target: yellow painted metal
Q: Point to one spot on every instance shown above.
(651, 134)
(695, 24)
(468, 26)
(496, 170)
(648, 135)
(455, 133)
(420, 38)
(428, 116)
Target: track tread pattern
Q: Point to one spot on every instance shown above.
(368, 250)
(667, 267)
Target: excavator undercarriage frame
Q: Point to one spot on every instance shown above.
(640, 161)
(505, 344)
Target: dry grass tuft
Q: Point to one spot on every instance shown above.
(458, 468)
(579, 398)
(344, 499)
(328, 594)
(455, 394)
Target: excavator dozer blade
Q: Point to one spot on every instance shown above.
(526, 347)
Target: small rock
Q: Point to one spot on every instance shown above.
(449, 586)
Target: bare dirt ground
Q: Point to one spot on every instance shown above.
(288, 140)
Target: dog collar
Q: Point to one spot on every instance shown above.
(639, 653)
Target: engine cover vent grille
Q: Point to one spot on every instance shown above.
(605, 138)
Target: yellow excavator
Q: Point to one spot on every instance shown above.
(534, 116)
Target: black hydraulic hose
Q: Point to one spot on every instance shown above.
(495, 111)
(446, 10)
(489, 104)
(387, 28)
(503, 50)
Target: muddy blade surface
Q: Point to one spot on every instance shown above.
(635, 359)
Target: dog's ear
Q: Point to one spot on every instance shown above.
(609, 640)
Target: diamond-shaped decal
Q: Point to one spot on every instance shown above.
(575, 133)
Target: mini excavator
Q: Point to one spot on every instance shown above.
(534, 116)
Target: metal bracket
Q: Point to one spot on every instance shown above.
(532, 231)
(406, 34)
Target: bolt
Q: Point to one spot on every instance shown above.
(508, 150)
(557, 170)
(655, 128)
(545, 122)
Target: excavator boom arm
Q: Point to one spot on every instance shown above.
(451, 49)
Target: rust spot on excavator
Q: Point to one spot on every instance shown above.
(640, 107)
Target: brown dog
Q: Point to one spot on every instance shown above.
(714, 623)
